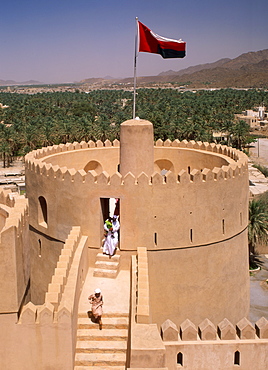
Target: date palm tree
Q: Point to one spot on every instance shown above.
(257, 228)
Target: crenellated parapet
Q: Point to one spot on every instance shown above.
(44, 315)
(6, 199)
(54, 149)
(63, 172)
(35, 162)
(18, 214)
(207, 331)
(15, 251)
(90, 177)
(198, 145)
(59, 305)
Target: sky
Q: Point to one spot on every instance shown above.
(63, 41)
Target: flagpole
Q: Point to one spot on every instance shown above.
(135, 69)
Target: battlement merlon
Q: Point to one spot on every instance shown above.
(51, 161)
(199, 145)
(186, 175)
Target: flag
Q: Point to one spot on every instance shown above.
(150, 42)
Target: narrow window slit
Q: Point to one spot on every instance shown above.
(40, 248)
(180, 359)
(237, 358)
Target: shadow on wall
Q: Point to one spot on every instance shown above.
(93, 165)
(163, 165)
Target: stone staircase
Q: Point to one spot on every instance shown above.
(101, 349)
(106, 266)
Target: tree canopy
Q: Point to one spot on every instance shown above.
(42, 119)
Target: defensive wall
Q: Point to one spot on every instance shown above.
(205, 346)
(72, 196)
(183, 233)
(14, 252)
(44, 336)
(193, 223)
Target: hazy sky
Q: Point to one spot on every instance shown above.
(66, 41)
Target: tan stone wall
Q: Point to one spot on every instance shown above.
(187, 160)
(108, 157)
(209, 347)
(212, 355)
(136, 147)
(43, 264)
(30, 345)
(73, 198)
(14, 257)
(198, 218)
(44, 336)
(203, 281)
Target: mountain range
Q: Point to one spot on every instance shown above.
(249, 70)
(12, 83)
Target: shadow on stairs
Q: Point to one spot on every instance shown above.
(106, 266)
(101, 349)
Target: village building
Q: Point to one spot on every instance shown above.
(255, 119)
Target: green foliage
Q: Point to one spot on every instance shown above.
(34, 121)
(262, 169)
(258, 224)
(264, 198)
(255, 262)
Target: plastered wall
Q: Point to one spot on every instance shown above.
(193, 223)
(222, 346)
(14, 256)
(175, 203)
(44, 336)
(205, 345)
(203, 281)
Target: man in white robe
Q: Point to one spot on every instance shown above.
(111, 227)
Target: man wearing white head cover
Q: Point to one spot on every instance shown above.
(111, 226)
(96, 301)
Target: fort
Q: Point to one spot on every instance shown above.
(183, 247)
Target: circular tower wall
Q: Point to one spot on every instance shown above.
(194, 225)
(136, 147)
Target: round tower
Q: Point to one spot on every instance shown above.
(136, 147)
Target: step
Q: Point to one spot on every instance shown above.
(100, 367)
(112, 346)
(107, 323)
(104, 334)
(105, 273)
(107, 314)
(104, 359)
(105, 257)
(108, 265)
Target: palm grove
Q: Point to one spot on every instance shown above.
(34, 121)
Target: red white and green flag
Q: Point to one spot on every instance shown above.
(150, 42)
